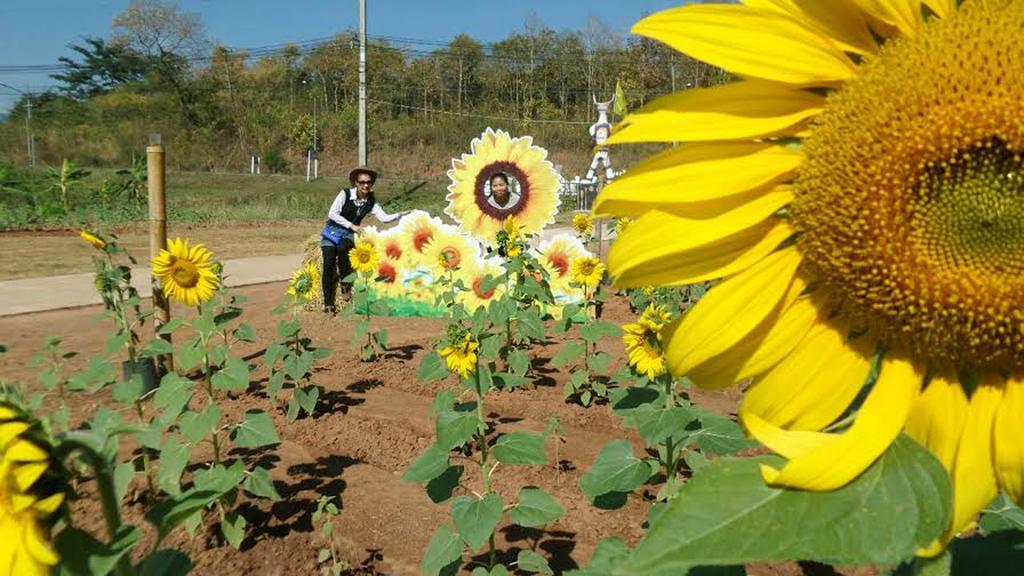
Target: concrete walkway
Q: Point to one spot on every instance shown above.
(29, 295)
(51, 293)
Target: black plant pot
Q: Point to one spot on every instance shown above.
(144, 367)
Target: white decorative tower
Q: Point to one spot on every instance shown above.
(600, 131)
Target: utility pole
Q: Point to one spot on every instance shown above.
(362, 82)
(30, 142)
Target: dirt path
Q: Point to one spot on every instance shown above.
(371, 423)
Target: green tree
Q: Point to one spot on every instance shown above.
(102, 68)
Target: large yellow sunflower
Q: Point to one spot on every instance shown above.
(587, 271)
(449, 250)
(583, 224)
(643, 342)
(363, 257)
(473, 275)
(188, 274)
(859, 198)
(557, 255)
(305, 283)
(416, 230)
(460, 356)
(24, 507)
(534, 204)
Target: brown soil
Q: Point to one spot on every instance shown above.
(371, 423)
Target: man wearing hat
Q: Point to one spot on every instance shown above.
(344, 221)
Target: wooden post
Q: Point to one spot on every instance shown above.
(158, 239)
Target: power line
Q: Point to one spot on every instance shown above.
(480, 116)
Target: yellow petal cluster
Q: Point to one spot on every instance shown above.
(188, 274)
(858, 190)
(460, 356)
(25, 546)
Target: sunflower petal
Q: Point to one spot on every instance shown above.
(720, 259)
(839, 20)
(821, 461)
(681, 177)
(739, 110)
(974, 477)
(48, 505)
(26, 474)
(903, 15)
(793, 394)
(750, 42)
(941, 8)
(11, 430)
(937, 419)
(1009, 450)
(38, 544)
(24, 451)
(766, 346)
(730, 311)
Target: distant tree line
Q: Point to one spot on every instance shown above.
(158, 72)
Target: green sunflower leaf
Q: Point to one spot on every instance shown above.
(727, 515)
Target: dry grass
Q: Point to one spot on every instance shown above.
(34, 254)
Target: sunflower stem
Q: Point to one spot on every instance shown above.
(485, 470)
(146, 463)
(208, 382)
(670, 402)
(109, 501)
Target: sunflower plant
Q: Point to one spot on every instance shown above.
(519, 310)
(372, 343)
(678, 435)
(591, 378)
(464, 438)
(858, 190)
(190, 408)
(291, 358)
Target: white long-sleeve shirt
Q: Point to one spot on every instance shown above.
(335, 212)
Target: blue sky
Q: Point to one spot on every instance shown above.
(38, 31)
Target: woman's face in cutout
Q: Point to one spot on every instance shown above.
(499, 191)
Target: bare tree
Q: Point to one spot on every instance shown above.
(170, 37)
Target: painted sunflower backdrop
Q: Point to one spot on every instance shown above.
(860, 188)
(535, 182)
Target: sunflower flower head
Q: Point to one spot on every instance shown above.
(26, 503)
(188, 274)
(363, 257)
(587, 271)
(859, 189)
(622, 224)
(642, 340)
(530, 185)
(583, 224)
(304, 283)
(93, 239)
(460, 355)
(656, 315)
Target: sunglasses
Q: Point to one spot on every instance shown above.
(367, 182)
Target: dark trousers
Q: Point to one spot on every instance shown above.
(336, 259)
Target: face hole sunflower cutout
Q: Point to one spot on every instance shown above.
(502, 177)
